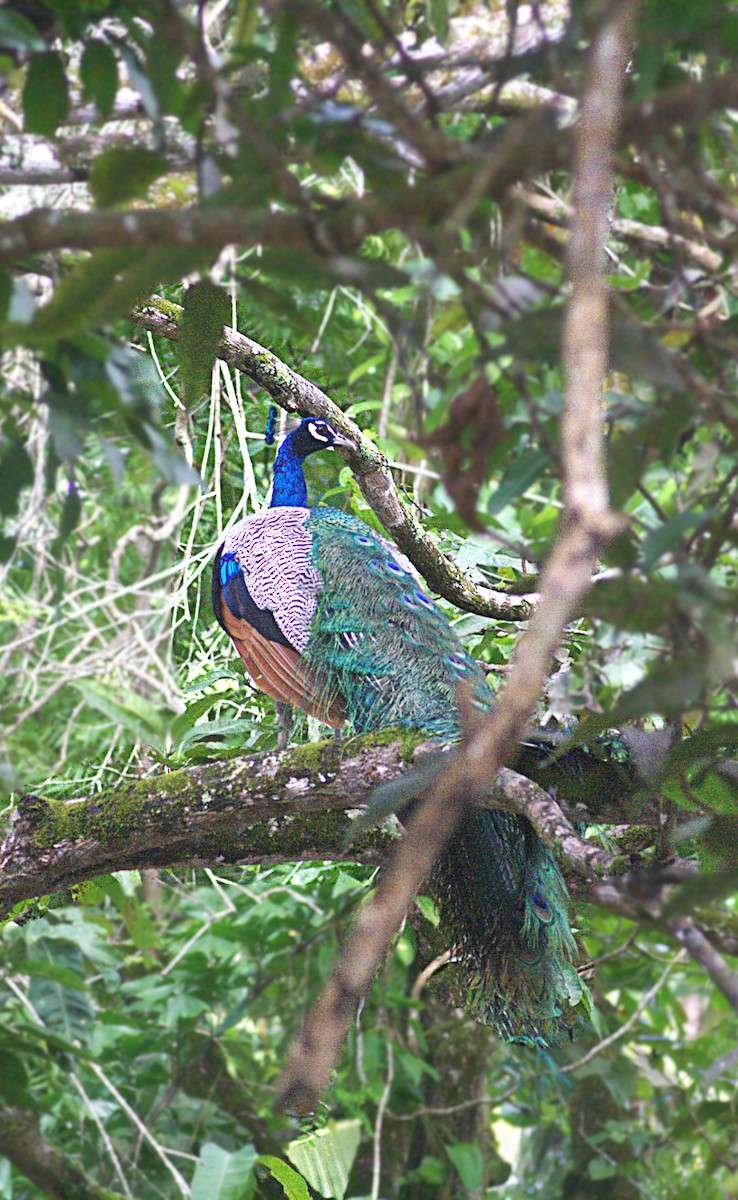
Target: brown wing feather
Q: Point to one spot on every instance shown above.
(279, 671)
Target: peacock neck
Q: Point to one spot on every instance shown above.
(289, 488)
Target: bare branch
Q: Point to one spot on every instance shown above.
(647, 237)
(697, 946)
(521, 795)
(565, 580)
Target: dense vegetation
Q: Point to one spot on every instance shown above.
(380, 194)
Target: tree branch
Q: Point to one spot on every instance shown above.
(299, 395)
(267, 808)
(647, 237)
(490, 742)
(50, 1170)
(697, 946)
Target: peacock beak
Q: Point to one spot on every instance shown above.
(340, 439)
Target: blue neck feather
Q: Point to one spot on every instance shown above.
(289, 488)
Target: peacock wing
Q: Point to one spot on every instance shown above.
(265, 591)
(390, 651)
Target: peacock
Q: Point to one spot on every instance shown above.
(327, 615)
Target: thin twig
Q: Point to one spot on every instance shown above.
(381, 1109)
(641, 1007)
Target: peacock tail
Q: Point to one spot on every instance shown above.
(327, 615)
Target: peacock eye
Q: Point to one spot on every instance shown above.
(363, 541)
(393, 568)
(423, 599)
(457, 661)
(409, 601)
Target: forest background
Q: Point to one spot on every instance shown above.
(379, 197)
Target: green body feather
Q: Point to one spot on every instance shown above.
(377, 641)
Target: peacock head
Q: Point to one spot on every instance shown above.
(314, 434)
(311, 435)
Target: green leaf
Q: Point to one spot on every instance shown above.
(429, 910)
(600, 1168)
(438, 16)
(138, 716)
(108, 284)
(98, 72)
(225, 727)
(63, 1009)
(669, 535)
(142, 930)
(16, 33)
(245, 24)
(124, 173)
(640, 605)
(206, 311)
(518, 477)
(6, 294)
(16, 473)
(70, 515)
(293, 1185)
(670, 688)
(14, 1081)
(222, 1175)
(326, 1157)
(469, 1162)
(45, 94)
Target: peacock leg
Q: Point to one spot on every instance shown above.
(284, 724)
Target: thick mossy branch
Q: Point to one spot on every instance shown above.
(267, 808)
(255, 808)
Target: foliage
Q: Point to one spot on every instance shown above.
(383, 251)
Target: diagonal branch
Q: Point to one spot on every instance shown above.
(299, 395)
(588, 524)
(697, 946)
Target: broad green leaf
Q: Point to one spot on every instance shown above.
(16, 473)
(517, 478)
(124, 173)
(136, 914)
(63, 1009)
(669, 535)
(245, 24)
(222, 1174)
(45, 94)
(219, 729)
(671, 688)
(601, 1168)
(98, 72)
(326, 1157)
(138, 716)
(469, 1162)
(641, 605)
(14, 1080)
(438, 15)
(16, 33)
(206, 311)
(107, 285)
(293, 1185)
